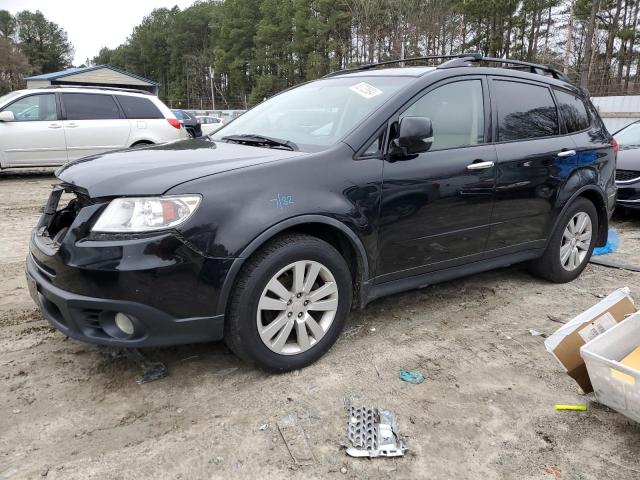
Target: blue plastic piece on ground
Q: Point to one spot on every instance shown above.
(613, 243)
(414, 376)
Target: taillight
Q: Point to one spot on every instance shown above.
(174, 122)
(616, 147)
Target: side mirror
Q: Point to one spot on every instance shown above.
(7, 116)
(415, 136)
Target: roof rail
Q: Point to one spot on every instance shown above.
(369, 66)
(463, 61)
(98, 87)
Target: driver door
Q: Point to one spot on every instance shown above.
(436, 205)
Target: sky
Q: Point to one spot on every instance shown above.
(93, 24)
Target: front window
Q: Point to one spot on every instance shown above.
(456, 111)
(34, 108)
(629, 136)
(316, 115)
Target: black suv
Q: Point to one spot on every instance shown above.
(321, 199)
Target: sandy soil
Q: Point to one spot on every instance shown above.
(71, 410)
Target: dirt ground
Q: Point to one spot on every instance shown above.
(74, 411)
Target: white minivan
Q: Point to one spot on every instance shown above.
(50, 126)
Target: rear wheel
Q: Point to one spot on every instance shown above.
(289, 304)
(571, 245)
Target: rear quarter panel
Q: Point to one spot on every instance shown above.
(594, 168)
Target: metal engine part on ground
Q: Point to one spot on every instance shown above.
(373, 433)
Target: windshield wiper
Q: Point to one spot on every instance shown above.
(261, 140)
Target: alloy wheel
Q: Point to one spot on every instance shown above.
(297, 307)
(576, 241)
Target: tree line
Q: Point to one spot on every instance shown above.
(30, 44)
(240, 51)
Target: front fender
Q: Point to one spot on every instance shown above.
(273, 231)
(243, 208)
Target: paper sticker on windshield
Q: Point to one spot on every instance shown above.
(365, 90)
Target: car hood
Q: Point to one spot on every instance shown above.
(154, 169)
(628, 158)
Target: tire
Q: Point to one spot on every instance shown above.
(286, 258)
(551, 266)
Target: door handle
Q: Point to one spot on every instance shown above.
(480, 165)
(71, 125)
(55, 125)
(566, 153)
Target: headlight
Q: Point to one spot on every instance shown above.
(145, 214)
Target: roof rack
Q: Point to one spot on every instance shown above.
(369, 66)
(463, 60)
(98, 87)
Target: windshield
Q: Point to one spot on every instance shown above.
(10, 96)
(315, 115)
(629, 135)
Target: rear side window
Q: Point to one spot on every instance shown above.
(88, 106)
(573, 111)
(137, 107)
(524, 111)
(456, 111)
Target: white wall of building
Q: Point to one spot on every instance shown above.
(618, 111)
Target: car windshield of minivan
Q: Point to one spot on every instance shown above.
(629, 136)
(313, 116)
(10, 96)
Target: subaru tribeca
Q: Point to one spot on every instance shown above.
(365, 183)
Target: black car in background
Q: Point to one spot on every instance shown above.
(190, 122)
(361, 184)
(628, 168)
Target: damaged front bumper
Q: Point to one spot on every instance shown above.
(167, 290)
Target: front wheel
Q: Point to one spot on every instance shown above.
(571, 245)
(289, 304)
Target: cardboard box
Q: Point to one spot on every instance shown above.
(565, 343)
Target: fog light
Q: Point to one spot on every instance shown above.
(124, 323)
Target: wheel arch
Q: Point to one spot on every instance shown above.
(597, 197)
(328, 229)
(141, 142)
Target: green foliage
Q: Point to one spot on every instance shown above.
(29, 43)
(44, 43)
(7, 24)
(259, 47)
(13, 66)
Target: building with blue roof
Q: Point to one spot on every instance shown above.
(96, 76)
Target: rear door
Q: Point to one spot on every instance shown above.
(35, 137)
(93, 124)
(534, 159)
(436, 206)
